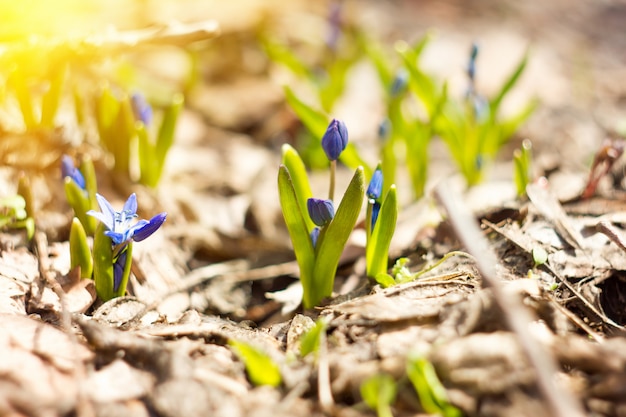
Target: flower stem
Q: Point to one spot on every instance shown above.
(331, 190)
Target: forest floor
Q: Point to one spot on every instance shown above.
(505, 336)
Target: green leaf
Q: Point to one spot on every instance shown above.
(80, 203)
(310, 341)
(24, 98)
(385, 280)
(261, 369)
(52, 98)
(165, 138)
(282, 55)
(298, 231)
(509, 84)
(147, 159)
(377, 251)
(121, 289)
(103, 264)
(432, 394)
(314, 120)
(379, 392)
(299, 178)
(331, 243)
(380, 60)
(80, 255)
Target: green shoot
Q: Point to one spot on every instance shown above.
(379, 392)
(261, 369)
(432, 394)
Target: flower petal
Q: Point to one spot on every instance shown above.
(143, 230)
(108, 213)
(116, 237)
(130, 207)
(99, 216)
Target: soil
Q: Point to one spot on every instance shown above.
(505, 334)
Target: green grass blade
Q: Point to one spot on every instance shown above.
(298, 231)
(103, 264)
(284, 56)
(509, 84)
(79, 201)
(331, 244)
(147, 158)
(52, 98)
(261, 369)
(377, 252)
(24, 98)
(165, 138)
(314, 120)
(80, 255)
(299, 178)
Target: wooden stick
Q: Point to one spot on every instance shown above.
(561, 402)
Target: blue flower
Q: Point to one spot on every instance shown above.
(375, 188)
(321, 211)
(68, 169)
(118, 269)
(335, 139)
(119, 223)
(141, 109)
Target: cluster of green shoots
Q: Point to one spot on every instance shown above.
(114, 232)
(418, 108)
(124, 121)
(318, 234)
(378, 392)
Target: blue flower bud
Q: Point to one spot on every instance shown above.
(118, 270)
(384, 129)
(400, 81)
(321, 211)
(69, 170)
(375, 211)
(471, 66)
(375, 188)
(315, 234)
(335, 139)
(141, 109)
